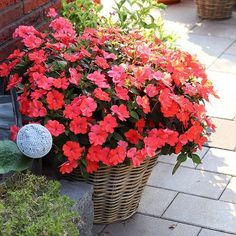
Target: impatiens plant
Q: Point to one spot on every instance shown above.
(109, 98)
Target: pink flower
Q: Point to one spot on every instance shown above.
(122, 93)
(74, 76)
(121, 111)
(117, 73)
(99, 79)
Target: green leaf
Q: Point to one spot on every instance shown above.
(134, 115)
(182, 157)
(11, 159)
(177, 165)
(117, 136)
(196, 159)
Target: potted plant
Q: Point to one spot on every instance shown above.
(112, 101)
(214, 9)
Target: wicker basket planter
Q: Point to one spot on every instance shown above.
(168, 2)
(214, 9)
(117, 190)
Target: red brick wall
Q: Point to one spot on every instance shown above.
(21, 12)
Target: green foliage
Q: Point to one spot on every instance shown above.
(11, 159)
(32, 206)
(82, 13)
(140, 14)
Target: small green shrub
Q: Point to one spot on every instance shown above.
(32, 206)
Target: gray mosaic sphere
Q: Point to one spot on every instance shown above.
(34, 140)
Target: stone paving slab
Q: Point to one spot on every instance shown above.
(155, 201)
(225, 135)
(229, 194)
(206, 48)
(225, 85)
(141, 225)
(188, 181)
(97, 229)
(203, 212)
(207, 232)
(171, 159)
(211, 28)
(225, 63)
(220, 161)
(232, 49)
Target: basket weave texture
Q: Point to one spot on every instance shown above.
(214, 9)
(117, 190)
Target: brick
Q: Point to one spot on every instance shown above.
(30, 5)
(207, 213)
(35, 18)
(11, 14)
(6, 3)
(141, 225)
(9, 47)
(188, 180)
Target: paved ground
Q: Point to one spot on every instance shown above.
(196, 201)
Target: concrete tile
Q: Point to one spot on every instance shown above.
(97, 229)
(213, 28)
(231, 49)
(171, 159)
(154, 201)
(188, 181)
(207, 232)
(219, 161)
(230, 21)
(203, 212)
(141, 225)
(225, 63)
(206, 48)
(229, 194)
(225, 85)
(225, 135)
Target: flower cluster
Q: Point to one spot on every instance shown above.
(108, 97)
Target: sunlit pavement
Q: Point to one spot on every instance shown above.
(197, 200)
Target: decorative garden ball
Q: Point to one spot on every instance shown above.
(34, 140)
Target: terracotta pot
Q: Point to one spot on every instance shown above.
(168, 2)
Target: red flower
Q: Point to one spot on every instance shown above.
(42, 81)
(144, 103)
(97, 136)
(37, 109)
(117, 155)
(122, 93)
(14, 81)
(32, 42)
(101, 62)
(101, 95)
(68, 167)
(74, 76)
(121, 111)
(137, 157)
(38, 94)
(38, 56)
(72, 150)
(55, 127)
(99, 79)
(133, 136)
(55, 100)
(13, 132)
(71, 112)
(140, 124)
(87, 106)
(79, 125)
(91, 166)
(4, 70)
(109, 123)
(61, 83)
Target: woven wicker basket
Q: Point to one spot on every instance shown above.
(117, 190)
(214, 9)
